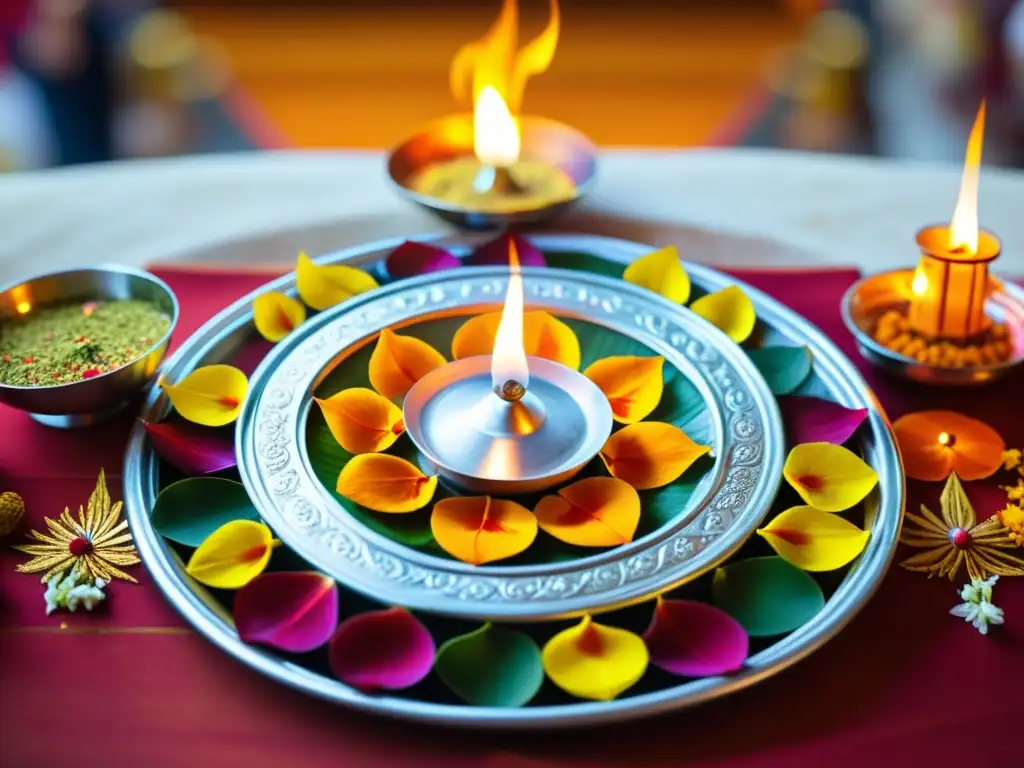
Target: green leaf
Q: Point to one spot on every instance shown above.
(189, 510)
(585, 262)
(661, 506)
(683, 405)
(784, 368)
(767, 595)
(491, 667)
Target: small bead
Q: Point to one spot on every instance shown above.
(960, 538)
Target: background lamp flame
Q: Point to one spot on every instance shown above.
(508, 362)
(963, 227)
(495, 133)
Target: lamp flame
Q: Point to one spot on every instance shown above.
(508, 362)
(495, 133)
(491, 67)
(963, 227)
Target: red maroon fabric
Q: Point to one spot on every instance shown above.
(905, 684)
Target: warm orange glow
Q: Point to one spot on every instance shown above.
(491, 66)
(22, 297)
(963, 227)
(945, 438)
(508, 362)
(919, 286)
(495, 134)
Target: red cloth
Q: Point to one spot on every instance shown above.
(130, 685)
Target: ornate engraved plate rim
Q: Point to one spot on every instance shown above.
(746, 429)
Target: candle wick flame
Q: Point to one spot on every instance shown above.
(510, 372)
(963, 227)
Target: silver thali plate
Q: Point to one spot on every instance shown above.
(747, 441)
(834, 377)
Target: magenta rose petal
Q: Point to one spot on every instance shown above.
(412, 258)
(694, 639)
(496, 252)
(382, 650)
(811, 420)
(193, 449)
(294, 611)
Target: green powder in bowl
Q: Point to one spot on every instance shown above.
(69, 342)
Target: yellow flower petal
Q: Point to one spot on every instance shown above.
(398, 362)
(814, 540)
(275, 315)
(633, 385)
(480, 529)
(593, 661)
(361, 420)
(544, 335)
(661, 272)
(828, 477)
(650, 454)
(385, 483)
(729, 310)
(233, 555)
(594, 512)
(323, 287)
(211, 395)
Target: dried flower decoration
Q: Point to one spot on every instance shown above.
(1012, 519)
(957, 539)
(96, 544)
(73, 590)
(1011, 459)
(977, 607)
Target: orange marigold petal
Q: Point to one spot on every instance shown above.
(633, 385)
(386, 483)
(544, 335)
(594, 512)
(935, 443)
(361, 420)
(479, 529)
(650, 454)
(398, 362)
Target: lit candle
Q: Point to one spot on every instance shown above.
(492, 74)
(507, 423)
(951, 282)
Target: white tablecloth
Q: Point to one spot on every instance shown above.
(725, 207)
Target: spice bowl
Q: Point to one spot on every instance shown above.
(111, 383)
(871, 297)
(543, 140)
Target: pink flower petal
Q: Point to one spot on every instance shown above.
(295, 611)
(382, 649)
(810, 420)
(694, 639)
(193, 449)
(496, 252)
(412, 258)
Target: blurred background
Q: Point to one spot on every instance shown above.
(93, 80)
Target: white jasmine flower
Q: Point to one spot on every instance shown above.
(978, 590)
(977, 608)
(71, 590)
(88, 595)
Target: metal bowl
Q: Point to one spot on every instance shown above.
(90, 401)
(451, 137)
(870, 297)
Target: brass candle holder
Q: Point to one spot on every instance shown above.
(948, 321)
